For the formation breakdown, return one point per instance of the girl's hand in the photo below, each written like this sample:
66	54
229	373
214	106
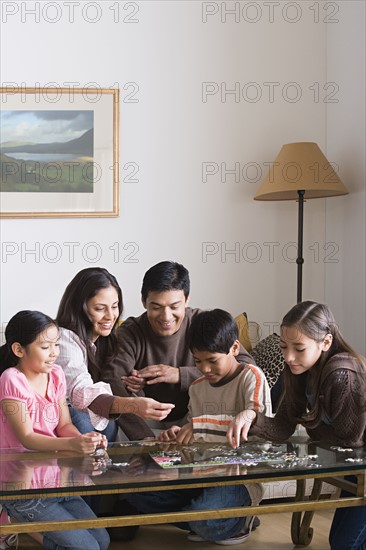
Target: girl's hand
170	434
91	466
87	443
185	435
239	427
102	441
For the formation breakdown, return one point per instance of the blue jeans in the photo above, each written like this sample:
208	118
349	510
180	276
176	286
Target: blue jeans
210	498
59	509
81	420
348	529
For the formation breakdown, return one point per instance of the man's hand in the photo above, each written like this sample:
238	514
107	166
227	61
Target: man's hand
153	374
239	427
134	382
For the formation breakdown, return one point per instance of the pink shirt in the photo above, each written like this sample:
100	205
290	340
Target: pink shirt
43	411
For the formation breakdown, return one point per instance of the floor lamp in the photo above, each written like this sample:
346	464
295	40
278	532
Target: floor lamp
300	171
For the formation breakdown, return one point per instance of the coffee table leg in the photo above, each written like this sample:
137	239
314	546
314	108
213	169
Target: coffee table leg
301	532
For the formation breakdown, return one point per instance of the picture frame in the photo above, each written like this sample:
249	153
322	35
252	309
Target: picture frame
59	152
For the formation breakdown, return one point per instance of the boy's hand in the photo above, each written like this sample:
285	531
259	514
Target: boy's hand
185	435
239	427
170	434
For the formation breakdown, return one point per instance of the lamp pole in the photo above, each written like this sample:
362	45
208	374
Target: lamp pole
275	186
300	259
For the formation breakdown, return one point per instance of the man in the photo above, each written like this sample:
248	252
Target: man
154	358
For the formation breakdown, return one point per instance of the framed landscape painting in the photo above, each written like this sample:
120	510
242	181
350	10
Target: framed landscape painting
59	152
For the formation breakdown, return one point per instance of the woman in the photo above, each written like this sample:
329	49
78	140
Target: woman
88	314
325	388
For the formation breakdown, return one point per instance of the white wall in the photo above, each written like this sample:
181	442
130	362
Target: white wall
346	132
170	132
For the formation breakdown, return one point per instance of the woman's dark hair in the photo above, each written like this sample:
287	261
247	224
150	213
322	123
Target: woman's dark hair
315	321
23	328
214	331
165	276
73	314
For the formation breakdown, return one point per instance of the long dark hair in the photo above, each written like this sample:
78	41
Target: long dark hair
23	328
315	321
73	314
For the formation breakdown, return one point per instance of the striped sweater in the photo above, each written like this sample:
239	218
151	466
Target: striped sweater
212	407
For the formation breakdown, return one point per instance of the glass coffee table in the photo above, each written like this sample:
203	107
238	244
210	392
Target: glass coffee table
151	466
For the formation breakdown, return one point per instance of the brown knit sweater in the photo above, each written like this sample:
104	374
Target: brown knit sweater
342	397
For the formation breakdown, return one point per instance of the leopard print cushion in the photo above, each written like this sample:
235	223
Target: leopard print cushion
267	355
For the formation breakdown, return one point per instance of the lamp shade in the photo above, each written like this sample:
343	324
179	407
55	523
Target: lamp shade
300	166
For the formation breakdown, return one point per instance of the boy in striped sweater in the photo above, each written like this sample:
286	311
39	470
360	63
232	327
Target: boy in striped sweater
216	400
226	388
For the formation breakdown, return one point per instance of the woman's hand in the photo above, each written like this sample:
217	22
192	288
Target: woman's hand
239	427
145	407
149	408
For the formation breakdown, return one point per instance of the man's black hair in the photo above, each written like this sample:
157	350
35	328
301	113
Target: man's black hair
165	276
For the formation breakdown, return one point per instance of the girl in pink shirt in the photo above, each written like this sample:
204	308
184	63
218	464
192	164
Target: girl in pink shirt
34	415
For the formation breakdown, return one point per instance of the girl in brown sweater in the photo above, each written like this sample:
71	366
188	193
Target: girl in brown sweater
325	388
